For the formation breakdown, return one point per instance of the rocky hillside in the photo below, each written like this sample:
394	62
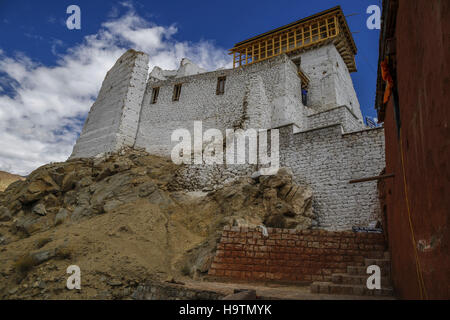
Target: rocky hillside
118	219
7	178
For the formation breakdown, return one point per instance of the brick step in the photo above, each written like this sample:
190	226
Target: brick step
344	278
362	271
375	255
382	263
349	289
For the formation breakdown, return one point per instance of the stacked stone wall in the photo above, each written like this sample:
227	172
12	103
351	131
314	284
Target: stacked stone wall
259	96
330	82
339	115
327	159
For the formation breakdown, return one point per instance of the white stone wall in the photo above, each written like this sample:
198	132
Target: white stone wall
339	115
327	159
262	95
330	82
209	177
113	119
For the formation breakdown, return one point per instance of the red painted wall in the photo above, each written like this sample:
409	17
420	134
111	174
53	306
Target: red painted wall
423	79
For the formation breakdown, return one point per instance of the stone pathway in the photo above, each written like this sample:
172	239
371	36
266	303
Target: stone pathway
272	291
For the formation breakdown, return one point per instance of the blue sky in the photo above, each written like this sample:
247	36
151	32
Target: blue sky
50	75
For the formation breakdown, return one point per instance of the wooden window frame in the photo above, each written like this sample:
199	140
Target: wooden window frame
220	80
155	95
176	92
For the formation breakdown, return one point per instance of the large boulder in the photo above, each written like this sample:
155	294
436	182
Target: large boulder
275	201
37	187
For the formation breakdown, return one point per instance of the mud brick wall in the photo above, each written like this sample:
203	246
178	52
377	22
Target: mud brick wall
291	255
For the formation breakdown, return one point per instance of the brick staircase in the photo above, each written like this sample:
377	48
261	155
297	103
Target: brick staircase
353	282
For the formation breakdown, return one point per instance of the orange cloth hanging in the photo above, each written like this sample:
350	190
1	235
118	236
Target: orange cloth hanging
386	75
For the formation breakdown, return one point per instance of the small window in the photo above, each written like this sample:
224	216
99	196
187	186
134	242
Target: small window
155	94
176	92
220	85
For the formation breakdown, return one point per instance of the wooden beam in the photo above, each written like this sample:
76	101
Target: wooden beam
246	55
273	46
295	38
259	51
384	176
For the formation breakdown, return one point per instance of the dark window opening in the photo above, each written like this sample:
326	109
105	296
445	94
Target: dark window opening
176	92
304	97
155	94
220	85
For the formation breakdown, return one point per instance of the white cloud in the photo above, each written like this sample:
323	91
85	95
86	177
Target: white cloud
40	121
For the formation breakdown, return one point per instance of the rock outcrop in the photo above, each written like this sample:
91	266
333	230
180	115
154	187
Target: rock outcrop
273	201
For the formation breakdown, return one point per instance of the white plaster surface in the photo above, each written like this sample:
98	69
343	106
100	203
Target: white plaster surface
327	159
330	82
113	119
263	95
187	68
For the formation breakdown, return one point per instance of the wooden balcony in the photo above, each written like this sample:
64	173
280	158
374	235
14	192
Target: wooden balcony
326	27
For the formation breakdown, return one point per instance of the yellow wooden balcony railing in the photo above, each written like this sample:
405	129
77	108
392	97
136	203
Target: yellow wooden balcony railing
325	27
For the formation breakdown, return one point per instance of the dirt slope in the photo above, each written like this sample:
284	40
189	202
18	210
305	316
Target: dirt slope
118	220
7	178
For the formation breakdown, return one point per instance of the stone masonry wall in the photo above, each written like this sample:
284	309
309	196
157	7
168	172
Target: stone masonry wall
209	177
291	255
331	84
262	95
339	115
113	119
327	159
